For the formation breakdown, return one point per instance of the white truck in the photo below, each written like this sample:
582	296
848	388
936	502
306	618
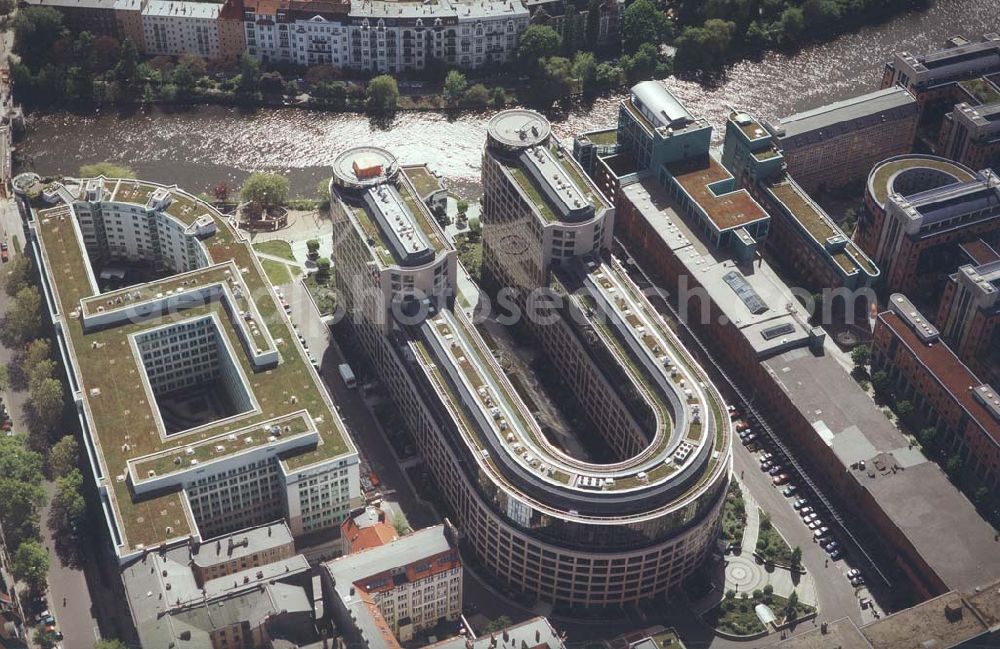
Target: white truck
347	374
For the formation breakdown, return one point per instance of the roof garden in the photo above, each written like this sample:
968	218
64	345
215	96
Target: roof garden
879	182
607	137
424	182
536	196
820	226
981	90
120	416
727	210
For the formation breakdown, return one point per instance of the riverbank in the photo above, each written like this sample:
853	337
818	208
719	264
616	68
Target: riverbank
199	147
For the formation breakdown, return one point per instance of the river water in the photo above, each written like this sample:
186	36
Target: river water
196	148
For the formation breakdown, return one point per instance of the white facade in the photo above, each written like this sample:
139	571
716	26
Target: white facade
177	28
389	36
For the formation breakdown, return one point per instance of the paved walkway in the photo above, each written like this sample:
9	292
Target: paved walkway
752	529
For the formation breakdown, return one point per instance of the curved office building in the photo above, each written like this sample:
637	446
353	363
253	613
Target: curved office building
557	526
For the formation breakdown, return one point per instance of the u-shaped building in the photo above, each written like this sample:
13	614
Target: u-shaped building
560	527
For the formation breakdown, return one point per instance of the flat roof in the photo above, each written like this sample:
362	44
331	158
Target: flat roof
949	371
709	266
979	252
726	211
840	117
241	544
882	177
535	633
927	625
120	415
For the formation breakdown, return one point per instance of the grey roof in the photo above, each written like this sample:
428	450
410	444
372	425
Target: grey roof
241	544
939	521
661	103
849	114
535	633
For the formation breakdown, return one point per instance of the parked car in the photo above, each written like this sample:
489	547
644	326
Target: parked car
831	545
806	511
781	478
733	412
836	554
776	469
809	518
765	465
853	572
790	490
858	581
821	532
741	426
800	503
749	439
767	455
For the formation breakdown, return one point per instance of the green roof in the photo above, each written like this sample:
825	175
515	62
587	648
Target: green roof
122	418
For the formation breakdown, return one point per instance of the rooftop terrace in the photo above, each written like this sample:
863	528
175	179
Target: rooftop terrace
120	416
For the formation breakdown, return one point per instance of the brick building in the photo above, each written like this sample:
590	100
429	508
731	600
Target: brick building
970	134
945	393
969	313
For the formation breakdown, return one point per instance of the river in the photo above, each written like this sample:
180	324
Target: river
196	148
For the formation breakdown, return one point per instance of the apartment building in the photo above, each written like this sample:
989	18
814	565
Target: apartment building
95	16
835	145
803	237
970	135
969	312
383	596
937	75
176	28
262	601
550	525
878	483
918	209
945	393
569	18
368	527
380	36
206	418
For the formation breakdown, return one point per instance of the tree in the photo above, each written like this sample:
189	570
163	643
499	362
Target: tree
69	510
454	86
928	437
608	76
792	26
498	98
322	269
537	42
821	16
22	321
555	80
642	22
641	65
593	26
109	644
312	245
904	408
263	192
36	30
19	274
383	94
272	83
106	169
796	558
7	6
568	38
880	381
46	407
249	79
477	96
861	355
499	624
128	61
64	456
706	47
462	205
475	229
791	609
31	565
769	589
321	73
585	71
953	467
221	191
331	93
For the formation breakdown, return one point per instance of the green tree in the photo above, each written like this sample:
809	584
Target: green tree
332	94
383	94
585	71
322	269
23	319
248	86
109	644
7	6
880	381
31	565
706	47
641	65
929	437
64	456
555	81
475	229
642	22
19	274
36	30
608	76
593	26
462	206
537	42
791	609
953	467
312	245
263	191
106	169
796	560
821	16
477	96
46	408
68	510
792	27
861	355
498	97
499	624
904	408
454	86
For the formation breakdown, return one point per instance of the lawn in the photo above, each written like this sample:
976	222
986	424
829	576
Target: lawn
734	515
770	545
278	273
735	614
276	248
